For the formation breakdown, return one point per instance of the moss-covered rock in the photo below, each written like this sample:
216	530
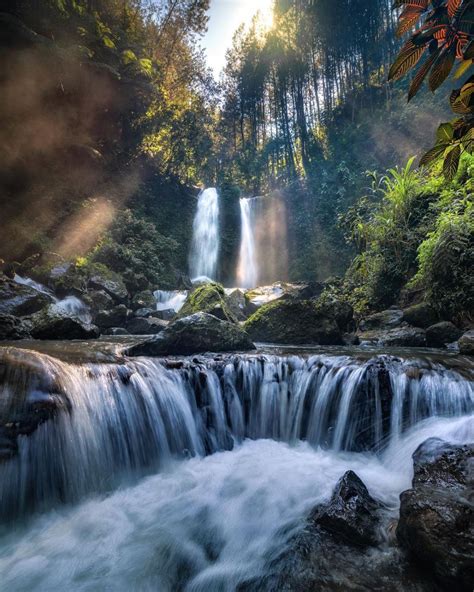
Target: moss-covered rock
420	315
208	298
293	322
198	333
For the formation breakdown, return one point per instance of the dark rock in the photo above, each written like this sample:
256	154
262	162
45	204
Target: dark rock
51	323
398	337
164	315
143	299
13	328
293	322
386	320
350	339
339	310
466	343
197	333
116	317
145	326
442	334
98	300
420	315
238	304
116	331
112	284
21	300
436	516
351	514
144	313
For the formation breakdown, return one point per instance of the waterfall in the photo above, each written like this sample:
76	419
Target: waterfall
70	305
205	242
247	273
170	300
110	421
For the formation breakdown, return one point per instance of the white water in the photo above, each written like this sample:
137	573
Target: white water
247	272
205	242
170	300
204	524
70	305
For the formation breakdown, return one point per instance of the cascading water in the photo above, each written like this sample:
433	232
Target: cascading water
244	446
247	273
170	300
205	242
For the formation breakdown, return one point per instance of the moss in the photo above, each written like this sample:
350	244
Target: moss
293	322
208	298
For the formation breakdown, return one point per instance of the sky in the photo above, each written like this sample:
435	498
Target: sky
225	18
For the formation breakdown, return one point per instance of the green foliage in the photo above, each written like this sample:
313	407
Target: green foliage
208	298
134	245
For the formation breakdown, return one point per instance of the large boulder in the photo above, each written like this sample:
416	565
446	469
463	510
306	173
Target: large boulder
442	334
144	299
98	300
293	322
238	304
115	317
420	315
351	514
111	283
198	333
385	320
398	337
209	298
54	323
19	299
145	326
339	310
436	517
13	328
466	343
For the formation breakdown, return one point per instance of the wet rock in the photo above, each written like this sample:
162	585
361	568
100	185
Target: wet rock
116	317
116	331
200	332
386	320
238	304
20	300
436	517
339	310
13	328
144	313
351	514
52	323
145	326
98	300
143	299
420	315
113	285
442	334
209	298
398	337
293	322
350	339
466	343
165	315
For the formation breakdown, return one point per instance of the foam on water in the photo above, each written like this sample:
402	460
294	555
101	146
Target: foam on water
204	524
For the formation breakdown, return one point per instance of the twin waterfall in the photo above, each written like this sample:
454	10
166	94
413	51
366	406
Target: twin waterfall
262	254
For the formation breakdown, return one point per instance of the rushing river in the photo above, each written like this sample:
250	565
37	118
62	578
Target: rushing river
191	475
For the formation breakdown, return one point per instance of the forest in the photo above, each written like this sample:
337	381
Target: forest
236	306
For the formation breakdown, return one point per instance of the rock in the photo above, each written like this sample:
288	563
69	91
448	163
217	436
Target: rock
210	298
442	334
435	525
293	322
116	331
198	333
112	284
386	320
98	300
145	326
144	313
351	514
466	343
339	310
117	317
420	315
51	323
165	315
13	328
143	299
350	339
238	304
398	337
21	300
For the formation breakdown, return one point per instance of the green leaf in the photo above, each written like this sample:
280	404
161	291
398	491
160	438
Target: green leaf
463	68
432	154
444	133
451	162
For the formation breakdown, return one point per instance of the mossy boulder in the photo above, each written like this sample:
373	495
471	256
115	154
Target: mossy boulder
198	333
209	298
52	323
293	322
442	334
420	315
